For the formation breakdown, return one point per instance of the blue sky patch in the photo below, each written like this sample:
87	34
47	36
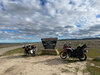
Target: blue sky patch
78	25
8	30
43	2
18	41
98	16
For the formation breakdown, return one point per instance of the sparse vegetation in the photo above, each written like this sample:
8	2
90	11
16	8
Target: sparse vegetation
64	70
19	50
77	69
85	71
38	52
93	52
94	62
93	70
9	45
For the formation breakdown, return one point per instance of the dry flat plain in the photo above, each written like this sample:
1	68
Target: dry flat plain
17	64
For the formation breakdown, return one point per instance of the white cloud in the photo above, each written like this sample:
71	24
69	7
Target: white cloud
68	18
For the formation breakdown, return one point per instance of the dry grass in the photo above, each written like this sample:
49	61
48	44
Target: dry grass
93	70
9	45
19	50
93	52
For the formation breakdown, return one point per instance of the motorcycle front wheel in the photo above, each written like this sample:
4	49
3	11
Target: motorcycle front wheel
32	53
63	55
83	58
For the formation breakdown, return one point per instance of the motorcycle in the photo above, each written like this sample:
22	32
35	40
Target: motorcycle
79	53
28	50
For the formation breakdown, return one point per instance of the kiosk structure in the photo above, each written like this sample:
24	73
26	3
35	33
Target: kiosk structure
49	46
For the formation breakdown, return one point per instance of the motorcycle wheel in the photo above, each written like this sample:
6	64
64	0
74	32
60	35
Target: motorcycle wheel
63	56
33	54
83	58
25	53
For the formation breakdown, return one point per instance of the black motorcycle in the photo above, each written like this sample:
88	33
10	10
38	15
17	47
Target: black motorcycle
79	52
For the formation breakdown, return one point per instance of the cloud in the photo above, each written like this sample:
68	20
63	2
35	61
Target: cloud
49	18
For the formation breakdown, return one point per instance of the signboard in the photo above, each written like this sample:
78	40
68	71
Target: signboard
49	43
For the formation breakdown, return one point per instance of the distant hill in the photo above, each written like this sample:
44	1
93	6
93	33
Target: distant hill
79	39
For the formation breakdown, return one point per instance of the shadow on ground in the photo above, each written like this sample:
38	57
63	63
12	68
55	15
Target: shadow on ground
56	61
18	56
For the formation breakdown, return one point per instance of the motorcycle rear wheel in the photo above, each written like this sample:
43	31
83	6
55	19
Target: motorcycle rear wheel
33	54
83	58
63	56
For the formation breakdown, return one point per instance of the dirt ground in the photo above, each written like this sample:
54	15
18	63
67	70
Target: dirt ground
40	65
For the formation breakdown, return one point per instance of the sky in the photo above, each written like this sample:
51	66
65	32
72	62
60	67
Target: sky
31	20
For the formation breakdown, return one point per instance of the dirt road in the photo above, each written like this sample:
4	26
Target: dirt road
40	65
2	50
